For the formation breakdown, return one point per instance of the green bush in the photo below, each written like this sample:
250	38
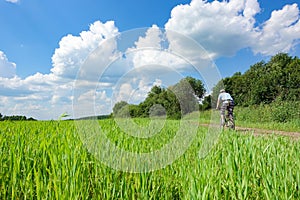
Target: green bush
278	111
256	113
284	111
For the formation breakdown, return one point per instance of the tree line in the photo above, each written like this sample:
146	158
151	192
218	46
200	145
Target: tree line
16	118
263	83
173	102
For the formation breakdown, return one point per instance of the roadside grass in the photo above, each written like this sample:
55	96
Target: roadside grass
283	116
291	126
47	160
280	116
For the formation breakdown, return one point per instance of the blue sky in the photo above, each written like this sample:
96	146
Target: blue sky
42	43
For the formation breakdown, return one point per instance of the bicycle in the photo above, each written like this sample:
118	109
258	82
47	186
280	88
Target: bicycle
229	122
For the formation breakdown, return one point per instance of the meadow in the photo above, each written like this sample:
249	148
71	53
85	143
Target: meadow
48	160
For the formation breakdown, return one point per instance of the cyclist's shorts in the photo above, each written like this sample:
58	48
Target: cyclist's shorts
227	105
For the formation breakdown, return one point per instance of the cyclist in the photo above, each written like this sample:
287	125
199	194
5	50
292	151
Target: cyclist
227	103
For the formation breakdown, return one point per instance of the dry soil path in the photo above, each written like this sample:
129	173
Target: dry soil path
259	132
265	132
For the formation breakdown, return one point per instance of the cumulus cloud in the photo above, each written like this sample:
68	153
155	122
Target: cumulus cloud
135	90
160	51
152	39
53	91
280	33
23	95
38	83
169	56
13	1
73	50
214	24
91	102
85	61
223	28
146	49
7	68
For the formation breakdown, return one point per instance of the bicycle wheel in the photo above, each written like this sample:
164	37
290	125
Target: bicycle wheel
230	124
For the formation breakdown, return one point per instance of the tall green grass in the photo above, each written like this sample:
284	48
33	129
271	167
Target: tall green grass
47	160
279	115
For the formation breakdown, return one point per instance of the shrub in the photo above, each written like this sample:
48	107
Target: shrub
284	111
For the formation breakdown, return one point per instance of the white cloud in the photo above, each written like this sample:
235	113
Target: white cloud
251	9
160	48
13	1
80	62
51	93
125	92
223	28
214	24
134	90
169	57
280	33
90	103
38	83
152	39
7	68
24	96
73	50
144	87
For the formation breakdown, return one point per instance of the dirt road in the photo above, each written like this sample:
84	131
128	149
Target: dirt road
259	132
264	132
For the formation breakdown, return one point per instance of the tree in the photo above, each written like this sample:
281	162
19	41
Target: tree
179	99
155	90
123	112
264	82
188	93
206	103
118	106
197	86
291	91
185	96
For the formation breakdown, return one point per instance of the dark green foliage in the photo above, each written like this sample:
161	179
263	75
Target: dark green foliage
119	106
16	118
186	92
278	79
175	101
196	86
100	117
284	111
277	111
206	103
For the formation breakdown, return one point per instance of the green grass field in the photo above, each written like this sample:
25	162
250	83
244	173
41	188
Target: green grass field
47	160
